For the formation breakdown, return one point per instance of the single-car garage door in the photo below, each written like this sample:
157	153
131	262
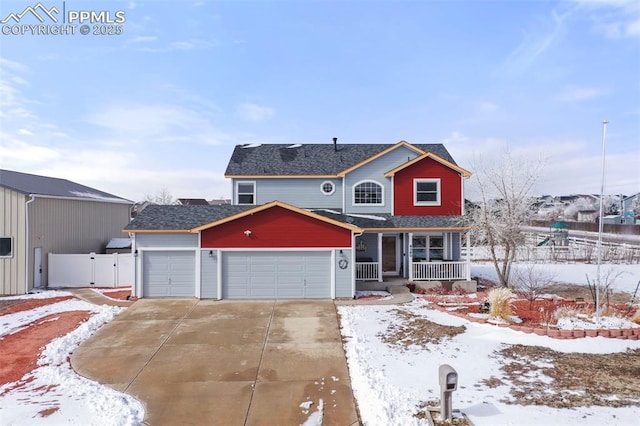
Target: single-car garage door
276	275
169	273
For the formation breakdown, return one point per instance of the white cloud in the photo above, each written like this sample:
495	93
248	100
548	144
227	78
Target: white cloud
577	94
254	112
570	167
25	132
614	19
537	40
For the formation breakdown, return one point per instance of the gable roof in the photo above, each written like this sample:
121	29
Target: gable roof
36	185
281	205
313	160
189	218
433	156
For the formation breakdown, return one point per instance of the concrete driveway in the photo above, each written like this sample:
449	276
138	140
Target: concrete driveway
224	362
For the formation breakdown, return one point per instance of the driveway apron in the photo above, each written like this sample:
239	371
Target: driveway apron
225	362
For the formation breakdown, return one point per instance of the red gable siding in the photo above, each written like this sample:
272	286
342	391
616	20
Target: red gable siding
450	188
276	227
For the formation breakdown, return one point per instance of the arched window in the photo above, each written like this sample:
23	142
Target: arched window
368	193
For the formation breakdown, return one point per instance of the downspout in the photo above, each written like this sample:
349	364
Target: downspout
26	243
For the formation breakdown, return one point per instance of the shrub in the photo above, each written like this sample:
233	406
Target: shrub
500	299
458	290
439	290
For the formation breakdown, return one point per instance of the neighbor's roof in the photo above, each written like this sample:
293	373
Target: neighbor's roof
312	159
193	201
54	187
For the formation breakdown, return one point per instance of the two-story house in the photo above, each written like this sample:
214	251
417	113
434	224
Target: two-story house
310	221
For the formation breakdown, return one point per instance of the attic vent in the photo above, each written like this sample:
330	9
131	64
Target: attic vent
251	145
295	145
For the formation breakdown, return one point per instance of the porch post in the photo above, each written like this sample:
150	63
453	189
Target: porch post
380	257
468	256
410	255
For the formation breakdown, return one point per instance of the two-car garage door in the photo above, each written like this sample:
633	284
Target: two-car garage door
276	275
245	274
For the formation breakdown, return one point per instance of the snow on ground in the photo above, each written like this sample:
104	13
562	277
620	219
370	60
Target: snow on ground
573	273
390	383
54	384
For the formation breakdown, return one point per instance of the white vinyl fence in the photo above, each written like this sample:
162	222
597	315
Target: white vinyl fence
87	270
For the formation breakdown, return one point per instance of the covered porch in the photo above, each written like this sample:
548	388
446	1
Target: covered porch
415	256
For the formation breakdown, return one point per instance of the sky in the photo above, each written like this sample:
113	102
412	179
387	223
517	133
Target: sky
160	104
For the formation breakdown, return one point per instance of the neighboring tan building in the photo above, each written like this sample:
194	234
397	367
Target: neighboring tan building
42	215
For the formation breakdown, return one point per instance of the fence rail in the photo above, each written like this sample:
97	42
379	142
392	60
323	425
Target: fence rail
367	271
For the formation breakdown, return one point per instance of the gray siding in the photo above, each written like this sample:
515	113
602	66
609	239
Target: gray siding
455	246
370	240
375	171
72	226
166	240
304	193
12	224
208	275
344	277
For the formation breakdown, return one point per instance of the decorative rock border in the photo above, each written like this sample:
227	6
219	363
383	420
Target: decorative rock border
613	333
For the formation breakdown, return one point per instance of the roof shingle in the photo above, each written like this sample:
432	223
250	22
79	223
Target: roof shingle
309	159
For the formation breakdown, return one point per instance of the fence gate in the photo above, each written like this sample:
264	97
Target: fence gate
91	270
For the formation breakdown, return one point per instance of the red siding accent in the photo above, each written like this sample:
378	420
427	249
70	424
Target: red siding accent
276	227
450	188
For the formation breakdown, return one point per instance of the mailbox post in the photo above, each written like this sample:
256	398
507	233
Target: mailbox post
448	383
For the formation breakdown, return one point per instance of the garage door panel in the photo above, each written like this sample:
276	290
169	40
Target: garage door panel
169	273
286	275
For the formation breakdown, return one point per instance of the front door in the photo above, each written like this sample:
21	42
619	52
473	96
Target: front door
389	255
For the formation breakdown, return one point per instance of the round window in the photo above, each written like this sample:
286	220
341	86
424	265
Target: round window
327	188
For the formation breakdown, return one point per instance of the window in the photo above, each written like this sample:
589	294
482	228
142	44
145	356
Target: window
433	245
426	192
6	247
369	193
245	193
327	188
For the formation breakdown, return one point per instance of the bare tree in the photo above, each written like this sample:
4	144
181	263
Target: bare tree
505	205
162	197
531	281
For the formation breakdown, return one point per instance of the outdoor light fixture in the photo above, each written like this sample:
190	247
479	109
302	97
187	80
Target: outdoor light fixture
247	232
210	253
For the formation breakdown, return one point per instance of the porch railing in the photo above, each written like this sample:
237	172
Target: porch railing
433	271
367	271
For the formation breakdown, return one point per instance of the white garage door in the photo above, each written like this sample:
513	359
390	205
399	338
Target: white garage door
169	273
276	275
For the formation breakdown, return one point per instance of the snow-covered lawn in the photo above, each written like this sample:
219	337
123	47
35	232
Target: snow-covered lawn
626	275
53	393
392	382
